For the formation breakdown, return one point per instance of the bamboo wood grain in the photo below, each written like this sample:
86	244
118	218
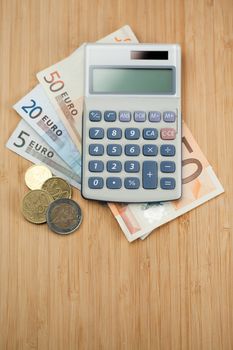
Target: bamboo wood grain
93	290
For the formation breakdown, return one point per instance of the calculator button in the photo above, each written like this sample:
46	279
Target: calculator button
167	167
150	150
169	117
132	134
110	116
96	150
95	182
150	134
124	116
131	183
139	116
96	166
154	117
114	133
149	175
167	150
132	150
114	183
96	133
168	134
114	166
132	166
167	183
114	150
95	116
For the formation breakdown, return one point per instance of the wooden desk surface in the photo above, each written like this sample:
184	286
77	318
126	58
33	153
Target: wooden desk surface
94	290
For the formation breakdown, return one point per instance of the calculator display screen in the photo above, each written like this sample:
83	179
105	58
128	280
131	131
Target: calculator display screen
116	80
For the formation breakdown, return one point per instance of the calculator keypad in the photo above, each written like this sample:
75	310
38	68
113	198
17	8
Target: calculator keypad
147	162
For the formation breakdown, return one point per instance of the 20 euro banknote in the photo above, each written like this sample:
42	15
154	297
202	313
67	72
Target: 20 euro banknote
199	185
27	143
64	84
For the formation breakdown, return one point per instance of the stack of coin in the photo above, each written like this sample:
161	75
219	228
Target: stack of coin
50	201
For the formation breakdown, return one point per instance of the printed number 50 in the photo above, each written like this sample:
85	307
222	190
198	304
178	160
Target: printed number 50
54	85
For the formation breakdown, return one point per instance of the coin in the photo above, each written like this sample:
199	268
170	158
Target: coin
57	187
36	175
64	216
35	204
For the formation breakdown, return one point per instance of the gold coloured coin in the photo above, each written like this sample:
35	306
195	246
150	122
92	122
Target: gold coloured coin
57	187
36	175
35	204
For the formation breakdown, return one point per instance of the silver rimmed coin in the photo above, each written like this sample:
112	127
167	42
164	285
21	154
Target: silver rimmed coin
64	216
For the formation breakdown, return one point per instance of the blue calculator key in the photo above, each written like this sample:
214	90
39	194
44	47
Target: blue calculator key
95	116
167	150
114	150
139	116
132	133
114	133
96	150
132	183
132	166
95	182
124	116
114	183
154	116
114	166
132	150
150	134
167	167
96	133
169	117
110	116
96	166
150	150
167	183
150	174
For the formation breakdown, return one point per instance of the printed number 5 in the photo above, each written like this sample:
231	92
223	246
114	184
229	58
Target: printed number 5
52	75
54	86
22	140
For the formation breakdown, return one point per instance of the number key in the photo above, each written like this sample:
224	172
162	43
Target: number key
132	134
114	166
114	133
95	182
96	166
114	150
132	166
132	150
96	133
96	150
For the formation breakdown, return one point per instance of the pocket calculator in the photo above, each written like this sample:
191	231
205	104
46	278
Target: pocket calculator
132	123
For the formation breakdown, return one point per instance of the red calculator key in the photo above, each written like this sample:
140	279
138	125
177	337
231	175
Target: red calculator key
168	134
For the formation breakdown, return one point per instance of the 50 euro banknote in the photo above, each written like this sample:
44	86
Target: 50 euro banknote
199	184
28	144
63	83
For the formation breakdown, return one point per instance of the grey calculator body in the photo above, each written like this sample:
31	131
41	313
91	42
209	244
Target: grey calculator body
132	123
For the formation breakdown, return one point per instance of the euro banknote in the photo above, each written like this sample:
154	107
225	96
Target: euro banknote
28	144
64	81
36	109
199	184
